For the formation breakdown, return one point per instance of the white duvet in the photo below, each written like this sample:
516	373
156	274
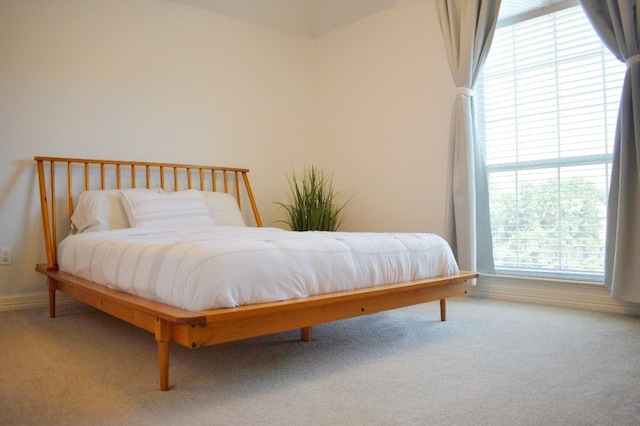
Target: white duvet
230	266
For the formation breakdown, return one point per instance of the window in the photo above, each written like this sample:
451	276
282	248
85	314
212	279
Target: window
546	109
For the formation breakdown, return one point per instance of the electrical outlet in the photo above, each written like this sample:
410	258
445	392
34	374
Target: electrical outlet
5	255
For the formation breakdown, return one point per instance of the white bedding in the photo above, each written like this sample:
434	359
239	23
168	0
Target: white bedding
228	266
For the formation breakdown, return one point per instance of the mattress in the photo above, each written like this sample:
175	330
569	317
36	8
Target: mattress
229	266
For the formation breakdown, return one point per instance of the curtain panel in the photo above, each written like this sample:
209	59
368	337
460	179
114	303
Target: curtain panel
467	28
616	22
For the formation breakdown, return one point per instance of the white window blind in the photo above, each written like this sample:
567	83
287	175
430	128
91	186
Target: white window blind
546	110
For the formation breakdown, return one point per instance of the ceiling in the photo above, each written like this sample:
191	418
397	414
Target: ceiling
306	18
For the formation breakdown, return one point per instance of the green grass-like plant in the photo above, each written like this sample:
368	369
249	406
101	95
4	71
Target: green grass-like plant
313	204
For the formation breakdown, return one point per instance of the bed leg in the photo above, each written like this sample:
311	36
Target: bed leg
52	297
306	334
163	336
443	309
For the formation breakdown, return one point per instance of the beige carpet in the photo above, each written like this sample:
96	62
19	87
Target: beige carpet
491	363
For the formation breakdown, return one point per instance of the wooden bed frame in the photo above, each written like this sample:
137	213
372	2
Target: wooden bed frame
61	180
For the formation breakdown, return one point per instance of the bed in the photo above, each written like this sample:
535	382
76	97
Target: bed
160	246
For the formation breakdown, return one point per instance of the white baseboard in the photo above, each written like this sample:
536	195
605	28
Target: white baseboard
568	294
37	300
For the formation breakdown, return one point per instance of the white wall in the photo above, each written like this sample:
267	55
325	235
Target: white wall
142	80
384	95
157	80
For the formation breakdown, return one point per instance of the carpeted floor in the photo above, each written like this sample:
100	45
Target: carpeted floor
491	363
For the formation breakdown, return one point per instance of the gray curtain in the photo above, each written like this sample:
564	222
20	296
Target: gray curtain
467	28
616	22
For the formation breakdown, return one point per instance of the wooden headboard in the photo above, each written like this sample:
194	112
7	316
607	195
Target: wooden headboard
62	180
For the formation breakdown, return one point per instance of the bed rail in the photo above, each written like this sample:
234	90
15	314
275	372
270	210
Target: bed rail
61	180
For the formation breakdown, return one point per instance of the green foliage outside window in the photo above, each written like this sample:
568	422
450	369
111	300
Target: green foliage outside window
550	225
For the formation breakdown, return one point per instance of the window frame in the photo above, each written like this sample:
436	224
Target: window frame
605	159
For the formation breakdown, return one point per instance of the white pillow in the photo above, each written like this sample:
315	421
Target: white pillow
180	209
100	210
224	208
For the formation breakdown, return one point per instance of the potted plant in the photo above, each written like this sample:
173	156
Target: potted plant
313	204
